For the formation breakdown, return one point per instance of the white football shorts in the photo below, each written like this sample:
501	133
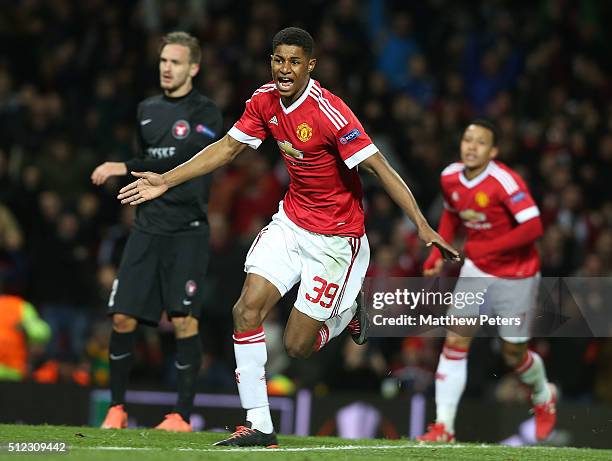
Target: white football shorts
507	298
330	268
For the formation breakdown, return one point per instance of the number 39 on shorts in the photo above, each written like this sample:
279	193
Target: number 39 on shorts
324	290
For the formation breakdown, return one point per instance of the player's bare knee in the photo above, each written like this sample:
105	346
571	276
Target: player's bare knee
184	326
298	351
512	359
514	354
247	314
460	342
124	323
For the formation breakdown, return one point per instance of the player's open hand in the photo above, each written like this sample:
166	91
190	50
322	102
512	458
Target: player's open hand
147	187
431	237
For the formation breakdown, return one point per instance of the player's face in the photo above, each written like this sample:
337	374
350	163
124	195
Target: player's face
291	68
175	70
477	148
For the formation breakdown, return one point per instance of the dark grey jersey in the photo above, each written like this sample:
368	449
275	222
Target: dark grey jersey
171	131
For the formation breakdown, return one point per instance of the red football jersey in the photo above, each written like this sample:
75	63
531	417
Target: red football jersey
490	205
321	142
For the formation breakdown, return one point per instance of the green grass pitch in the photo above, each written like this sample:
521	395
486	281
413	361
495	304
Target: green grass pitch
86	443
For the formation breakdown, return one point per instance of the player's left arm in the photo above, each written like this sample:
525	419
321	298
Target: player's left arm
401	194
529	225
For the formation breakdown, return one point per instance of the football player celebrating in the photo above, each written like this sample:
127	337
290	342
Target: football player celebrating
317	237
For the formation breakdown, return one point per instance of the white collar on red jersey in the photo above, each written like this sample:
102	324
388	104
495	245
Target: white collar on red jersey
300	100
469	183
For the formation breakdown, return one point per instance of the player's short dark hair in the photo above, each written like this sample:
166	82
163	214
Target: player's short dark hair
488	125
296	37
185	39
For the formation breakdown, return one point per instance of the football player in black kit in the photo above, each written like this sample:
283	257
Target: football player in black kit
165	258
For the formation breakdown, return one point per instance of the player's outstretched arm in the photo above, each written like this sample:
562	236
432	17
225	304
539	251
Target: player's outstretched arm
400	193
152	185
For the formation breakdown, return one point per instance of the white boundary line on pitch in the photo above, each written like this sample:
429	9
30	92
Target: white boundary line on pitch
321	448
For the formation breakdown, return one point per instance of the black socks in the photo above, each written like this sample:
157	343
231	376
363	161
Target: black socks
188	362
121	357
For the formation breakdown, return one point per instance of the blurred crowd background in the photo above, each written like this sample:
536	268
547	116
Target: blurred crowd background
72	73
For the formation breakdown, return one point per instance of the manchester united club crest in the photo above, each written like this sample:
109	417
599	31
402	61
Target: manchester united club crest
304	132
482	199
181	129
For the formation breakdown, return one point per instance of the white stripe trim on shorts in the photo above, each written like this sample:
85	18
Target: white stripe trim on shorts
355	247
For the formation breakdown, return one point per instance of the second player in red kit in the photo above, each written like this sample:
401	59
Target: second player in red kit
492	203
490	206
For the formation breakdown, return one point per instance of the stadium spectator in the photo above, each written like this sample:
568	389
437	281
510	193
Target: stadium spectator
62	285
13	264
22	333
